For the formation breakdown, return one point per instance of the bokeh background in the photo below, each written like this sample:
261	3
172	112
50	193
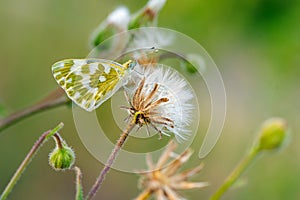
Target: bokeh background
255	43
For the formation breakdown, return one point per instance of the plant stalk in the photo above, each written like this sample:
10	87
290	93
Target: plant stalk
55	99
79	192
235	174
28	159
110	160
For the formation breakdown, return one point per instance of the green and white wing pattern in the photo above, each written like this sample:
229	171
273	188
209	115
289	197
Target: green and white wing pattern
88	82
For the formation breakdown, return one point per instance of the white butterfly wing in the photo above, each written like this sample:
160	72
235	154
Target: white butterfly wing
88	82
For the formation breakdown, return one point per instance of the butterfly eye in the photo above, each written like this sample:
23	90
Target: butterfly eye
132	64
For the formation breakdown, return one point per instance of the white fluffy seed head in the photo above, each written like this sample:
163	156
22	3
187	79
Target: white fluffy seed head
172	85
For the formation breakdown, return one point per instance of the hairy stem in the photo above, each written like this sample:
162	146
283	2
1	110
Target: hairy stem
79	192
28	159
110	160
235	174
55	99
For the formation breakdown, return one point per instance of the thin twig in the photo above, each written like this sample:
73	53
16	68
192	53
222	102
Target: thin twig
110	160
55	99
27	160
236	173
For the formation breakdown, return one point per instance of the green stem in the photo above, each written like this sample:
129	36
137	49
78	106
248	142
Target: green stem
79	192
240	168
53	100
28	159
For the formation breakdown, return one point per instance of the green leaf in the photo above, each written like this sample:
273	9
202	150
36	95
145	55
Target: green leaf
99	36
188	67
140	20
3	111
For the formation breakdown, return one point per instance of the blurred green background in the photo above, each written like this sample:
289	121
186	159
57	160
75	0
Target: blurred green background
255	43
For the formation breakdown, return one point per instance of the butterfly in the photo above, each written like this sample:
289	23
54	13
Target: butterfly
90	82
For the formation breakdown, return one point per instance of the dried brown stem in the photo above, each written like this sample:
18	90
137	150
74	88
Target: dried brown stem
110	160
58	140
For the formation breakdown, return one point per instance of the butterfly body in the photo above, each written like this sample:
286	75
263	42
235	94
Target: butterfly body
90	82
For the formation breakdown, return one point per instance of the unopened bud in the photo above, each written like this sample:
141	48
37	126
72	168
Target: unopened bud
116	22
63	156
156	5
273	133
147	16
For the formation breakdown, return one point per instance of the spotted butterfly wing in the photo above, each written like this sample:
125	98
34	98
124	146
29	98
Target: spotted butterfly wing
89	82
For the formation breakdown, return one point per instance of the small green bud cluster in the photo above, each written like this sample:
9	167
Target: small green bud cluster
63	156
121	20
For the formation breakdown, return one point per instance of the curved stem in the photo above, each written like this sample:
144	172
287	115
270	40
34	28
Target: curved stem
79	192
58	141
27	160
110	160
55	99
235	174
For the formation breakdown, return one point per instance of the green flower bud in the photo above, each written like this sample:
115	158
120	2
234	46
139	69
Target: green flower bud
273	133
116	22
147	16
62	157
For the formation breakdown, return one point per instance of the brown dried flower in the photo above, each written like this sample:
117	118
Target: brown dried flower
163	182
144	108
163	100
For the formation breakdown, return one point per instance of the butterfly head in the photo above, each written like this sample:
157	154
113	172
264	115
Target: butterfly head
130	64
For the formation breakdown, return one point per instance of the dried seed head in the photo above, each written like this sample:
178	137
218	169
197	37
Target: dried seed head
162	99
165	182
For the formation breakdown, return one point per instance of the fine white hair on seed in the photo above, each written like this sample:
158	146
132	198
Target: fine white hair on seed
180	106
